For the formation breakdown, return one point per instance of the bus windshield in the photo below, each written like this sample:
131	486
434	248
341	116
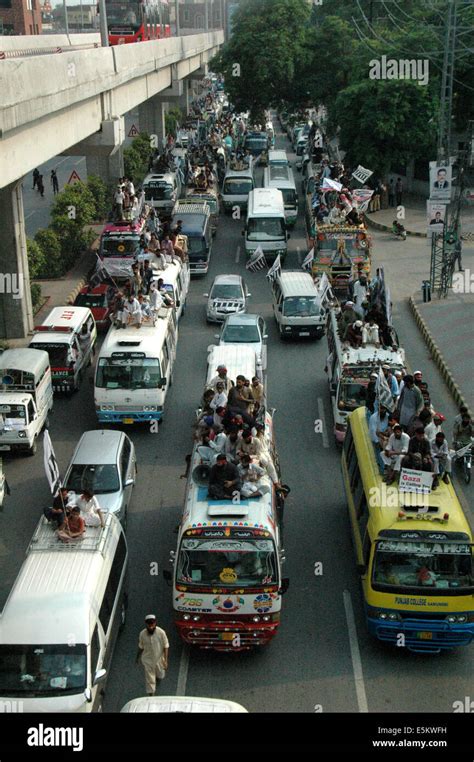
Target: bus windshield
128	373
123	13
265	229
237	186
352	393
301	306
445	566
120	247
158	191
31	671
227	562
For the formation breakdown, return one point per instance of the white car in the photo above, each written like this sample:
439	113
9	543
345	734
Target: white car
228	295
246	329
104	461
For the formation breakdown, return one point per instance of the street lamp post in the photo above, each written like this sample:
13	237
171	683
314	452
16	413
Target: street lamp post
104	34
176	5
206	15
66	22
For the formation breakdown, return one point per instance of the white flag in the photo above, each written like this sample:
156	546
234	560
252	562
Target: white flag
362	174
275	269
256	261
329	184
384	393
51	464
308	260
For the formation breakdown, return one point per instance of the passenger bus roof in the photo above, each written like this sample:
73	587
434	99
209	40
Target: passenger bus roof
24	359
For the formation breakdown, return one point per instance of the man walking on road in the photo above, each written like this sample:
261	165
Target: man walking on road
54	181
153	650
40	185
399	191
391	192
458	255
35	177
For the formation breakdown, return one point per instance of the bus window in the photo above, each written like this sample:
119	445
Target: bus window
366	546
166	358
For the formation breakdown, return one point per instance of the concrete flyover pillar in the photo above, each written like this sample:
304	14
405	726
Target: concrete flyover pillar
109	168
151	117
16	312
103	150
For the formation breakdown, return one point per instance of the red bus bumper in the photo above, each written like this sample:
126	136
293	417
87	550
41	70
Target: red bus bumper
227	636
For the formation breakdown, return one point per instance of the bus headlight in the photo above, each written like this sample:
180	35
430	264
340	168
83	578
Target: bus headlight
149	408
107	407
196	618
393	616
382	615
186	617
22	434
266	618
255	619
456	618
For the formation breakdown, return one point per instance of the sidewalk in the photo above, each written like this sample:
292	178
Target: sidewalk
415	217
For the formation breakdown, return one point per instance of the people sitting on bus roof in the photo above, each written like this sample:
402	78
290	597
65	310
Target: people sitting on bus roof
220	396
57	513
221	376
419	446
132	312
147	312
395	449
230	446
378	432
370	333
410	402
167	299
347	317
73	528
224	480
239	397
353	334
360	290
252	477
441	459
250	445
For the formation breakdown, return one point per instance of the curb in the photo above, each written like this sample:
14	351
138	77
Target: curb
388	229
70	299
437	356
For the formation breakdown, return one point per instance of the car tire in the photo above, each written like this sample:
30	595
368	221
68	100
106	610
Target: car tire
33	449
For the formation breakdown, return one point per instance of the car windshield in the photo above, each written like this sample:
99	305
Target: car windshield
98	479
352	393
265	229
226	291
91	301
12	414
254	144
301	306
158	192
128	372
246	333
237	186
400	565
31	671
196	248
229	562
58	354
120	247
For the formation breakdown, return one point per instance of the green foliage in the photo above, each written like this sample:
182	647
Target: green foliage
100	194
36	259
72	210
174	117
36	300
384	122
136	157
52	263
260	61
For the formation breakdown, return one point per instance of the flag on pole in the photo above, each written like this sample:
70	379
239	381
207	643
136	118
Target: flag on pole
275	269
51	464
329	184
256	261
100	275
384	393
308	260
362	174
361	198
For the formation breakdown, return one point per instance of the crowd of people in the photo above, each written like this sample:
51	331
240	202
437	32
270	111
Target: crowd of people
70	514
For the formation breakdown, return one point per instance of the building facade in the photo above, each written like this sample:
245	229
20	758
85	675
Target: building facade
20	17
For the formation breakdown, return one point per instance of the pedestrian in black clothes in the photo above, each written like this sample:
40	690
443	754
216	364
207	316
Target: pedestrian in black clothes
40	185
36	174
224	480
391	193
399	191
54	181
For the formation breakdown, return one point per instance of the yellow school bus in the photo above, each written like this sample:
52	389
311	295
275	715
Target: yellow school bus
414	553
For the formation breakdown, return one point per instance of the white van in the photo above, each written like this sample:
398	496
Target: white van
58	335
60	623
180	704
282	178
266	224
26	397
297	306
134	371
176	280
236	188
277	158
162	190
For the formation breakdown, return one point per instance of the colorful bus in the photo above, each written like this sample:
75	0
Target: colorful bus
414	553
137	20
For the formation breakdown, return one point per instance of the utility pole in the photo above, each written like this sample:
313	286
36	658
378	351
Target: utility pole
66	20
206	15
104	33
176	5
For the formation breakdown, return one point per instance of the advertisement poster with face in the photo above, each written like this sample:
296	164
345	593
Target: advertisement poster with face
440	181
435	217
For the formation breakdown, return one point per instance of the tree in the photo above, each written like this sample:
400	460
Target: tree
72	211
136	158
36	259
384	122
260	61
173	118
100	194
52	263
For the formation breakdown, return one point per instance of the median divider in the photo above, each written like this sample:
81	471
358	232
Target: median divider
437	356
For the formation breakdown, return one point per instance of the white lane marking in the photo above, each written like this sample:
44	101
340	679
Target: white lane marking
79	161
323	420
30	214
355	654
237	255
183	672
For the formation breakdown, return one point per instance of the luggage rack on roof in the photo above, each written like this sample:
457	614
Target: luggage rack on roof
45	538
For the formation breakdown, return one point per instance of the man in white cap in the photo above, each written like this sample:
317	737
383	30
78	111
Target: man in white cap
353	334
153	650
347	317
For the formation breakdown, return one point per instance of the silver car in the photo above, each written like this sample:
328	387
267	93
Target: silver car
228	296
104	461
246	329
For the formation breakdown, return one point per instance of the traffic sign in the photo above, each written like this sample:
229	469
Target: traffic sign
74	178
134	131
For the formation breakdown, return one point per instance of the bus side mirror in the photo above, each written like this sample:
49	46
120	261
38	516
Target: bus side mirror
162	382
99	676
168	577
285	583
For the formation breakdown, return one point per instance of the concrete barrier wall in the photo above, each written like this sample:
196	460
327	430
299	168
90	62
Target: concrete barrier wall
38	41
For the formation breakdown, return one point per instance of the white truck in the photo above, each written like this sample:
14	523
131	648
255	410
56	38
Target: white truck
26	397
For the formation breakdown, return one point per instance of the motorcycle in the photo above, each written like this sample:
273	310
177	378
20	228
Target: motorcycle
464	455
399	232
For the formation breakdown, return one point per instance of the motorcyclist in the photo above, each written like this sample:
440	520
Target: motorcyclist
463	431
399	230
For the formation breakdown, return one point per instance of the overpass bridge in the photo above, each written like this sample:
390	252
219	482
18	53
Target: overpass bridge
74	102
